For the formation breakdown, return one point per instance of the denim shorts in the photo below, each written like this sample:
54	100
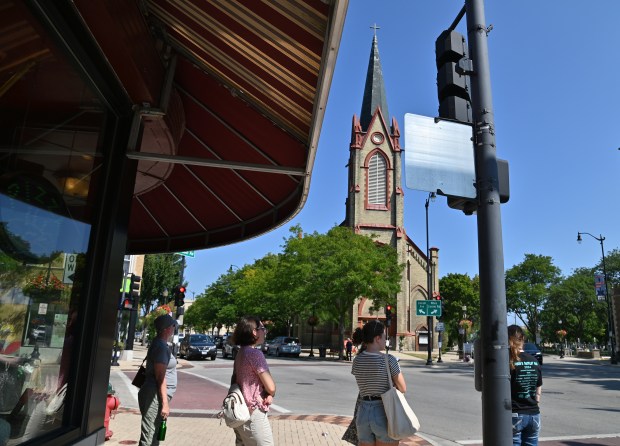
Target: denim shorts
371	423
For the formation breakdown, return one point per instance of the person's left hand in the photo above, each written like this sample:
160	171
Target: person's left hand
268	400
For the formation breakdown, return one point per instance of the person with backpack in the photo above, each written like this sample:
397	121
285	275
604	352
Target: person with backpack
251	373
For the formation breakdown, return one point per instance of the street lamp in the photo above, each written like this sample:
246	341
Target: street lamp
610	321
463	331
429	284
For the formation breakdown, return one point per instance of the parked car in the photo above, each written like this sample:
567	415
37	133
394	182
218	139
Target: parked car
532	349
220	340
229	349
197	346
264	347
284	345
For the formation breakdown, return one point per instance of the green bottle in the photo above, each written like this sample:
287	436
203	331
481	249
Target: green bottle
162	431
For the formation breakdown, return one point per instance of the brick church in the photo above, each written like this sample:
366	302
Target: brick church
375	205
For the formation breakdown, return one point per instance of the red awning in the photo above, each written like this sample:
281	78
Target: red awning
233	95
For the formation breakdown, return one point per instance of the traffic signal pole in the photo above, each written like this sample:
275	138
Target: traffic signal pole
496	400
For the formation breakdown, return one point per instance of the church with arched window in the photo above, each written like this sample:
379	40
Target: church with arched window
375	205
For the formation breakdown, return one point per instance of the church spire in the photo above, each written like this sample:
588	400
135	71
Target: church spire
374	91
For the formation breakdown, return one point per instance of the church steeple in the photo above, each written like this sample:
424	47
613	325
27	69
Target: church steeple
374	91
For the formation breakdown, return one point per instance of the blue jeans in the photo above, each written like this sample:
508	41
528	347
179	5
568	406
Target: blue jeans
525	429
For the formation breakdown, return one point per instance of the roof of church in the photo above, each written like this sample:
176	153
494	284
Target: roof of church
374	91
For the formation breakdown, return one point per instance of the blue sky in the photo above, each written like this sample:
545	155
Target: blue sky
555	77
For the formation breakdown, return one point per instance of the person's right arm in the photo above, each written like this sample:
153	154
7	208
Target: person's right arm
269	386
160	379
399	382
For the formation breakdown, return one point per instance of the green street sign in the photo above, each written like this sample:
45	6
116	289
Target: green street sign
428	308
186	253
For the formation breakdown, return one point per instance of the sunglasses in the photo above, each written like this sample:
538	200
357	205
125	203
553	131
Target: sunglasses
261	328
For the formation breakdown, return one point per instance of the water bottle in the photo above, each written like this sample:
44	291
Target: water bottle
162	431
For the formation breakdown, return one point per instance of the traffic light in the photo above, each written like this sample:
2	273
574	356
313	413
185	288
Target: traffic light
127	303
437	296
453	67
388	315
134	292
179	296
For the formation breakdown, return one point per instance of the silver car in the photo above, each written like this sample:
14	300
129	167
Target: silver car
284	345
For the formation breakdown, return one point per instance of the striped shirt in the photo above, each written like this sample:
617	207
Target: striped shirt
369	371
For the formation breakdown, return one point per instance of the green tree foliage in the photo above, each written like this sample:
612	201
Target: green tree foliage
331	271
573	301
457	291
528	287
161	272
612	266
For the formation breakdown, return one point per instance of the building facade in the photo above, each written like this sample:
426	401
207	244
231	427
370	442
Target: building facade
375	206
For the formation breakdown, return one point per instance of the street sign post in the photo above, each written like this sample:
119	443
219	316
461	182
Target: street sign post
428	308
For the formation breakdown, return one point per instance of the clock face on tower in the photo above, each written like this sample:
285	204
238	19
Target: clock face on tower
377	138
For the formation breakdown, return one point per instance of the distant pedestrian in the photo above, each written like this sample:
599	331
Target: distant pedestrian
251	373
525	390
349	349
160	383
369	369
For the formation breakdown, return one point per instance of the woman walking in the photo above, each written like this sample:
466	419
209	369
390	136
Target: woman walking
525	390
369	369
252	375
160	382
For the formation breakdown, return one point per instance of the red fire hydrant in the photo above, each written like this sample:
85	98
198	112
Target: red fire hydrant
112	403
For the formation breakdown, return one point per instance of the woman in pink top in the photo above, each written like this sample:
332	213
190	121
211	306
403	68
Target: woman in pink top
252	374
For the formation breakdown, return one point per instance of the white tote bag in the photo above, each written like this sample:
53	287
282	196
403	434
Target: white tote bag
402	422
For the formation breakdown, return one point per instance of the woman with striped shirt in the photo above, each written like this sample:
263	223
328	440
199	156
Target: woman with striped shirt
371	376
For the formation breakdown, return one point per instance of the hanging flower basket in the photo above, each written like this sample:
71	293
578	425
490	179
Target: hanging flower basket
561	333
465	323
160	311
41	288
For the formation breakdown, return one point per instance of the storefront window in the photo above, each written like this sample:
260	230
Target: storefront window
51	126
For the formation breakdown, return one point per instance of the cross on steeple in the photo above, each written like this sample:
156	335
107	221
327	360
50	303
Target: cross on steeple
375	28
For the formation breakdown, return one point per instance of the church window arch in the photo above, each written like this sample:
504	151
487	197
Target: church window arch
377	181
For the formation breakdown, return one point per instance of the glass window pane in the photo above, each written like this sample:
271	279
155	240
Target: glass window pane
51	126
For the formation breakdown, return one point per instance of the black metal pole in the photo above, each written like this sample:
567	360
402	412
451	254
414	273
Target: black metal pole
115	352
496	399
429	289
611	329
610	321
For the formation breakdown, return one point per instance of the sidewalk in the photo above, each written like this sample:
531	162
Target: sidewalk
187	428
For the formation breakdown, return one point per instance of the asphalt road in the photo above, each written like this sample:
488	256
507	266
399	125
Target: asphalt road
581	400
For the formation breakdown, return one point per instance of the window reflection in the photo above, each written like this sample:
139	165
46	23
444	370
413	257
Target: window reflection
51	125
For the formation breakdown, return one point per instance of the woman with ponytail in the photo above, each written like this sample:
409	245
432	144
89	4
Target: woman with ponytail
525	390
369	369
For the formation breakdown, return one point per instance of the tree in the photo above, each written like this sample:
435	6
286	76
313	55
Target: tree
527	288
161	272
457	291
573	301
335	269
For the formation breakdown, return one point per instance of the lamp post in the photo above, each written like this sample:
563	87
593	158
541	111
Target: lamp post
463	331
429	283
561	346
311	355
610	321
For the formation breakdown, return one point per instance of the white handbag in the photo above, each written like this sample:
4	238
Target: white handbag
402	422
